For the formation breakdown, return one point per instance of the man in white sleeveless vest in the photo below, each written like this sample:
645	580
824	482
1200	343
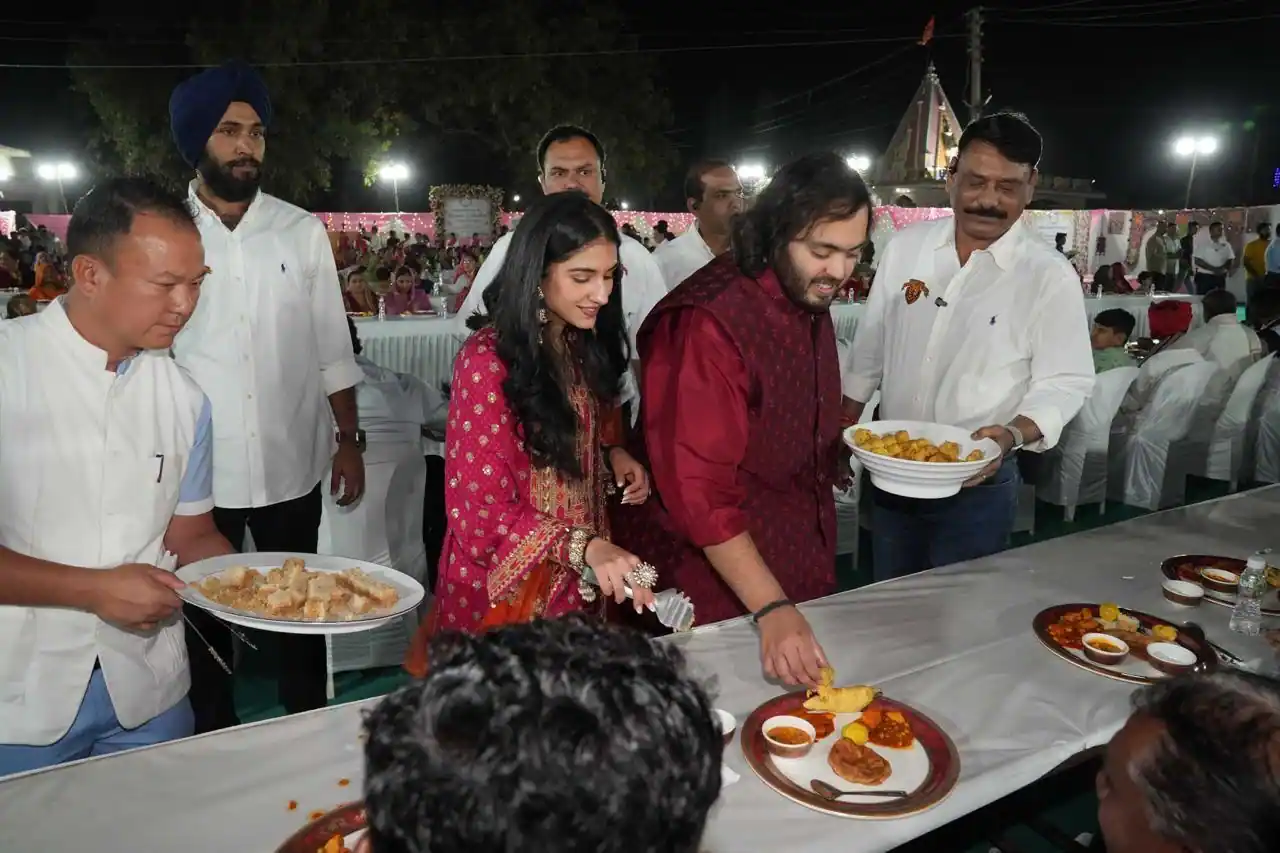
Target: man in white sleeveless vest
106	464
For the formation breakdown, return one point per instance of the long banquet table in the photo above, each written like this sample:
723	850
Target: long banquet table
955	642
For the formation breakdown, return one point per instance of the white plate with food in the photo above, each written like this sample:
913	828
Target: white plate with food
292	593
916	459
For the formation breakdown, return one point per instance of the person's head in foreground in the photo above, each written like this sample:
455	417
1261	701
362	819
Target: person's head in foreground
552	736
992	179
1196	769
1219	302
809	225
556	308
1111	328
137	262
571	158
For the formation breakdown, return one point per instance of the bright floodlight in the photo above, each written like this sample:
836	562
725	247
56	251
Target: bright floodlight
626	205
859	162
1188	145
56	171
394	172
751	171
516	198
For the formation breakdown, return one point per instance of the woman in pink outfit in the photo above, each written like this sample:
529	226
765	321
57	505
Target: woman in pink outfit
405	296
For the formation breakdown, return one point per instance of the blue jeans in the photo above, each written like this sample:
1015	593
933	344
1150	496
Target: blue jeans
910	535
96	731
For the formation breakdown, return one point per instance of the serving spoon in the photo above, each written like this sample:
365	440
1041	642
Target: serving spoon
829	792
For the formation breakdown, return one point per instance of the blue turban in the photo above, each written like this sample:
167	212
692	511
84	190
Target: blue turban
199	103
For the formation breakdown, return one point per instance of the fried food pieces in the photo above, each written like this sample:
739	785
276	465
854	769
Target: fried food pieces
857	763
900	445
293	592
839	700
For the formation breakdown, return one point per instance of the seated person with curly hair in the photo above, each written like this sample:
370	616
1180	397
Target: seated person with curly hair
552	736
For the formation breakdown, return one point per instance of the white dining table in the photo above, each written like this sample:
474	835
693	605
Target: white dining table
423	346
955	643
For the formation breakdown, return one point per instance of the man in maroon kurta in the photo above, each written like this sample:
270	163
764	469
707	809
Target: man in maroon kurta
740	414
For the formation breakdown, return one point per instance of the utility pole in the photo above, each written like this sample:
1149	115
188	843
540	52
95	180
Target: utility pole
976	102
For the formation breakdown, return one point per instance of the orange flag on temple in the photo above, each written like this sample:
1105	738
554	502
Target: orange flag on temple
927	35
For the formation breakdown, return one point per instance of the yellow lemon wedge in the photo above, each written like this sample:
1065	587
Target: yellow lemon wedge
1109	612
856	732
1164	633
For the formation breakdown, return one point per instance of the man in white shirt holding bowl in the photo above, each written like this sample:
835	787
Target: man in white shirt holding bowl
974	322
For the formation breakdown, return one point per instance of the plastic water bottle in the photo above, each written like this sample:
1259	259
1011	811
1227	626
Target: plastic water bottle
382	307
1246	618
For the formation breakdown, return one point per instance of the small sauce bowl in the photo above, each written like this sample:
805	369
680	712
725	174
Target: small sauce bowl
728	725
1115	650
1220	581
781	749
1171	658
1183	593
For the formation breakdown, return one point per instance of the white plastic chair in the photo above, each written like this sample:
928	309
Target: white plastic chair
1141	471
1223	457
1266	424
1076	470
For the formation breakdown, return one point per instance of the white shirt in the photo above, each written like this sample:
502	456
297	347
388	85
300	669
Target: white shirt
642	283
395	406
1005	335
91	471
268	343
1214	252
682	257
1226	343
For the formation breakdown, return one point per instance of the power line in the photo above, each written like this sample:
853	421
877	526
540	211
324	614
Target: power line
1133	10
845	76
1050	22
484	57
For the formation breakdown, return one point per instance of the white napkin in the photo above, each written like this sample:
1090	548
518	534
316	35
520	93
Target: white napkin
727	776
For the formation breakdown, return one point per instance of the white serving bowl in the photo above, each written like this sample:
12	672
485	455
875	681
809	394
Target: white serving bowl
913	479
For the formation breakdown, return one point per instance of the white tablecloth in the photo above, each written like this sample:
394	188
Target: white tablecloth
956	643
422	346
845	316
1138	307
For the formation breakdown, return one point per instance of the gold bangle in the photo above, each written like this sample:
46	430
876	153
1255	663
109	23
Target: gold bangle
579	537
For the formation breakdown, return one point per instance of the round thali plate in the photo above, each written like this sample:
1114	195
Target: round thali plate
928	770
1186	567
1134	669
347	821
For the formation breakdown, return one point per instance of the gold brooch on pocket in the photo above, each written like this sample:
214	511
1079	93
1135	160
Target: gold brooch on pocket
914	289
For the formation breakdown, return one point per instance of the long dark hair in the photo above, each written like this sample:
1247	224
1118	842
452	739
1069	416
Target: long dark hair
816	188
555	227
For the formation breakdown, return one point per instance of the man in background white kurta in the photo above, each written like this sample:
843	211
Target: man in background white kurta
572	158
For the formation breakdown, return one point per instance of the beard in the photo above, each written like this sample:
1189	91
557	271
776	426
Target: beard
796	286
223	182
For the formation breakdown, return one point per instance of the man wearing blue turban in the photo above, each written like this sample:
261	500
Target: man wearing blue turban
268	343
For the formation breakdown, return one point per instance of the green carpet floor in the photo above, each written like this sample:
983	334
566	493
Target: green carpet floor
1065	804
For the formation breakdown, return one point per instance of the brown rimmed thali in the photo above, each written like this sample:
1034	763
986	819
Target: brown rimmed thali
1130	671
936	781
345	820
1186	567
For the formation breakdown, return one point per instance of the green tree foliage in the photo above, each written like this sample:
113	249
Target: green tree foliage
422	69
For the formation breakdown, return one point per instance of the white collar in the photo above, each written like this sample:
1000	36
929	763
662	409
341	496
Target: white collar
54	318
1004	251
1224	320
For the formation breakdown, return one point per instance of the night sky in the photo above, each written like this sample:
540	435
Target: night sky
1109	85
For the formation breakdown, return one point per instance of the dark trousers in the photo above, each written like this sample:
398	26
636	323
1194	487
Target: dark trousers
1206	283
292	526
434	521
910	535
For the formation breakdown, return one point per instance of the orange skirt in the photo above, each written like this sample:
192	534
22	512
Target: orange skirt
525	606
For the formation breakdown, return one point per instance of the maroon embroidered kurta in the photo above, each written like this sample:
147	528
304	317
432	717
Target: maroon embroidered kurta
740	426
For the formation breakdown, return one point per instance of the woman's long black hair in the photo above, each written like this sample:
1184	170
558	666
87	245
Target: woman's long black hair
555	227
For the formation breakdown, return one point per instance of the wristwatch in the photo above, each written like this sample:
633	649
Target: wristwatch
348	437
1018	440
